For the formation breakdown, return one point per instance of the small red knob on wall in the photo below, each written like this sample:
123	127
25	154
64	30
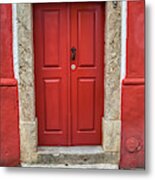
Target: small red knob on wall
132	144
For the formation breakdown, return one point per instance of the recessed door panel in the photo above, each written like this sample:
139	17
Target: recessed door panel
52	101
51	25
69	55
86	104
86	37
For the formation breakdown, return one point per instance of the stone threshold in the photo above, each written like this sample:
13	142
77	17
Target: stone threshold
70	150
77	166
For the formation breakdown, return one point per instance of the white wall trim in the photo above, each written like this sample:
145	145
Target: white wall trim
123	40
15	42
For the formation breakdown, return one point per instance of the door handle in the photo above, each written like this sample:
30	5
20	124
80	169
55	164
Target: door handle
73	53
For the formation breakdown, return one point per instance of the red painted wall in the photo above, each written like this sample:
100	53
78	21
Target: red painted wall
132	140
9	125
132	143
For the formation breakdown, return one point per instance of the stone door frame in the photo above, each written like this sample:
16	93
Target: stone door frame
24	72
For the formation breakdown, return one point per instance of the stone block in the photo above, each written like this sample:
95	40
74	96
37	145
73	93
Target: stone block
112	135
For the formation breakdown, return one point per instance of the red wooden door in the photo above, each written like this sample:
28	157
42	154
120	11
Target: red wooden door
69	90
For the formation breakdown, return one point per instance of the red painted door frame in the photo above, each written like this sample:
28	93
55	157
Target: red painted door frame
9	121
64	88
132	135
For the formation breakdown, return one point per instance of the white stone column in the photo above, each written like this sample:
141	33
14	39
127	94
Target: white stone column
23	37
112	105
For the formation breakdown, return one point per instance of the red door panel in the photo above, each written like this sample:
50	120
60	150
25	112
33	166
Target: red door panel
51	69
85	32
52	108
69	103
87	36
85	104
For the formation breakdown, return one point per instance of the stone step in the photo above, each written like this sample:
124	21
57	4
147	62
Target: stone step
78	155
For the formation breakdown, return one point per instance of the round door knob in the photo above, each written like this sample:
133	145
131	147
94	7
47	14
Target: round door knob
73	66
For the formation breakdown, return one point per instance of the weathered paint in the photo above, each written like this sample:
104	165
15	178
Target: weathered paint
132	137
9	131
